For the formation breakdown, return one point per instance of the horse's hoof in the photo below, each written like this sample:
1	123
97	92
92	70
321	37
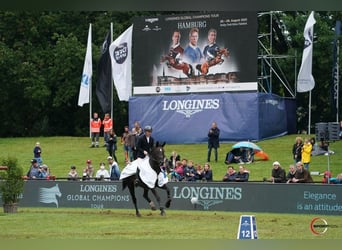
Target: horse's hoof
153	207
168	203
138	215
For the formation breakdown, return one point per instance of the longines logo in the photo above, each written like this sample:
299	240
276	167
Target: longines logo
190	107
207	196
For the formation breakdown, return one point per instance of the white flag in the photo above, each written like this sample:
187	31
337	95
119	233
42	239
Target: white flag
305	81
87	74
121	57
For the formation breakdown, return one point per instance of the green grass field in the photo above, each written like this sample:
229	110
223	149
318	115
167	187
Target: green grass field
59	153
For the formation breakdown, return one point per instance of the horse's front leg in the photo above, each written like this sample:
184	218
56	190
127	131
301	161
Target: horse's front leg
145	195
168	201
162	210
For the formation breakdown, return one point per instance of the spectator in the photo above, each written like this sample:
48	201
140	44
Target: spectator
213	140
297	149
132	146
278	174
125	143
337	180
306	153
37	151
302	174
72	175
44	172
33	172
102	173
198	172
291	174
112	144
174	158
107	127
189	171
230	174
95	126
177	173
114	170
207	172
242	175
88	171
326	176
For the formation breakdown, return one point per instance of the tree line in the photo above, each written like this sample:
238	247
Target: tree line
42	56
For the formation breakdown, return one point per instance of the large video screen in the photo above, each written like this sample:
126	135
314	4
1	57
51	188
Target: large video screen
195	52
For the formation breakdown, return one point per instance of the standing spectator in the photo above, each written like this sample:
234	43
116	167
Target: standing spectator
107	126
189	171
297	149
145	143
111	144
95	126
33	172
302	174
278	174
37	151
72	175
291	174
242	175
213	140
131	145
230	175
88	171
174	158
102	173
306	153
125	143
114	170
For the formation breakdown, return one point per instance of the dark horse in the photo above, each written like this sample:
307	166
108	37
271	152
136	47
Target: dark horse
157	158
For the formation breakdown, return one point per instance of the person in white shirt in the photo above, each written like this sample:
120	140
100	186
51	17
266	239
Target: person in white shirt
102	173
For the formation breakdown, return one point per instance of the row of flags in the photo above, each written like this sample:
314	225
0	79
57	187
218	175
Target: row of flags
114	65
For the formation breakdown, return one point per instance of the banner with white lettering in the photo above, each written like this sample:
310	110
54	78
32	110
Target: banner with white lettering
179	119
194	49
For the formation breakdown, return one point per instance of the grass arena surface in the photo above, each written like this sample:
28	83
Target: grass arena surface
59	153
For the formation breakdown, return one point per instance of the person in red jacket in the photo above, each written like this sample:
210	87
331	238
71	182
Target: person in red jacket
95	126
107	127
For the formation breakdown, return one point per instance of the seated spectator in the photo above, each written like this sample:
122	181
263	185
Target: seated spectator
102	173
230	175
33	172
240	155
278	174
291	174
72	175
198	172
326	176
207	173
177	173
44	172
88	171
242	175
302	174
337	180
189	171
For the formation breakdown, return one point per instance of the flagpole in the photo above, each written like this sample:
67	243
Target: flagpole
90	99
309	125
111	77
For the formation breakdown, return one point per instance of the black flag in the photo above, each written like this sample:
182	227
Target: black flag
104	85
